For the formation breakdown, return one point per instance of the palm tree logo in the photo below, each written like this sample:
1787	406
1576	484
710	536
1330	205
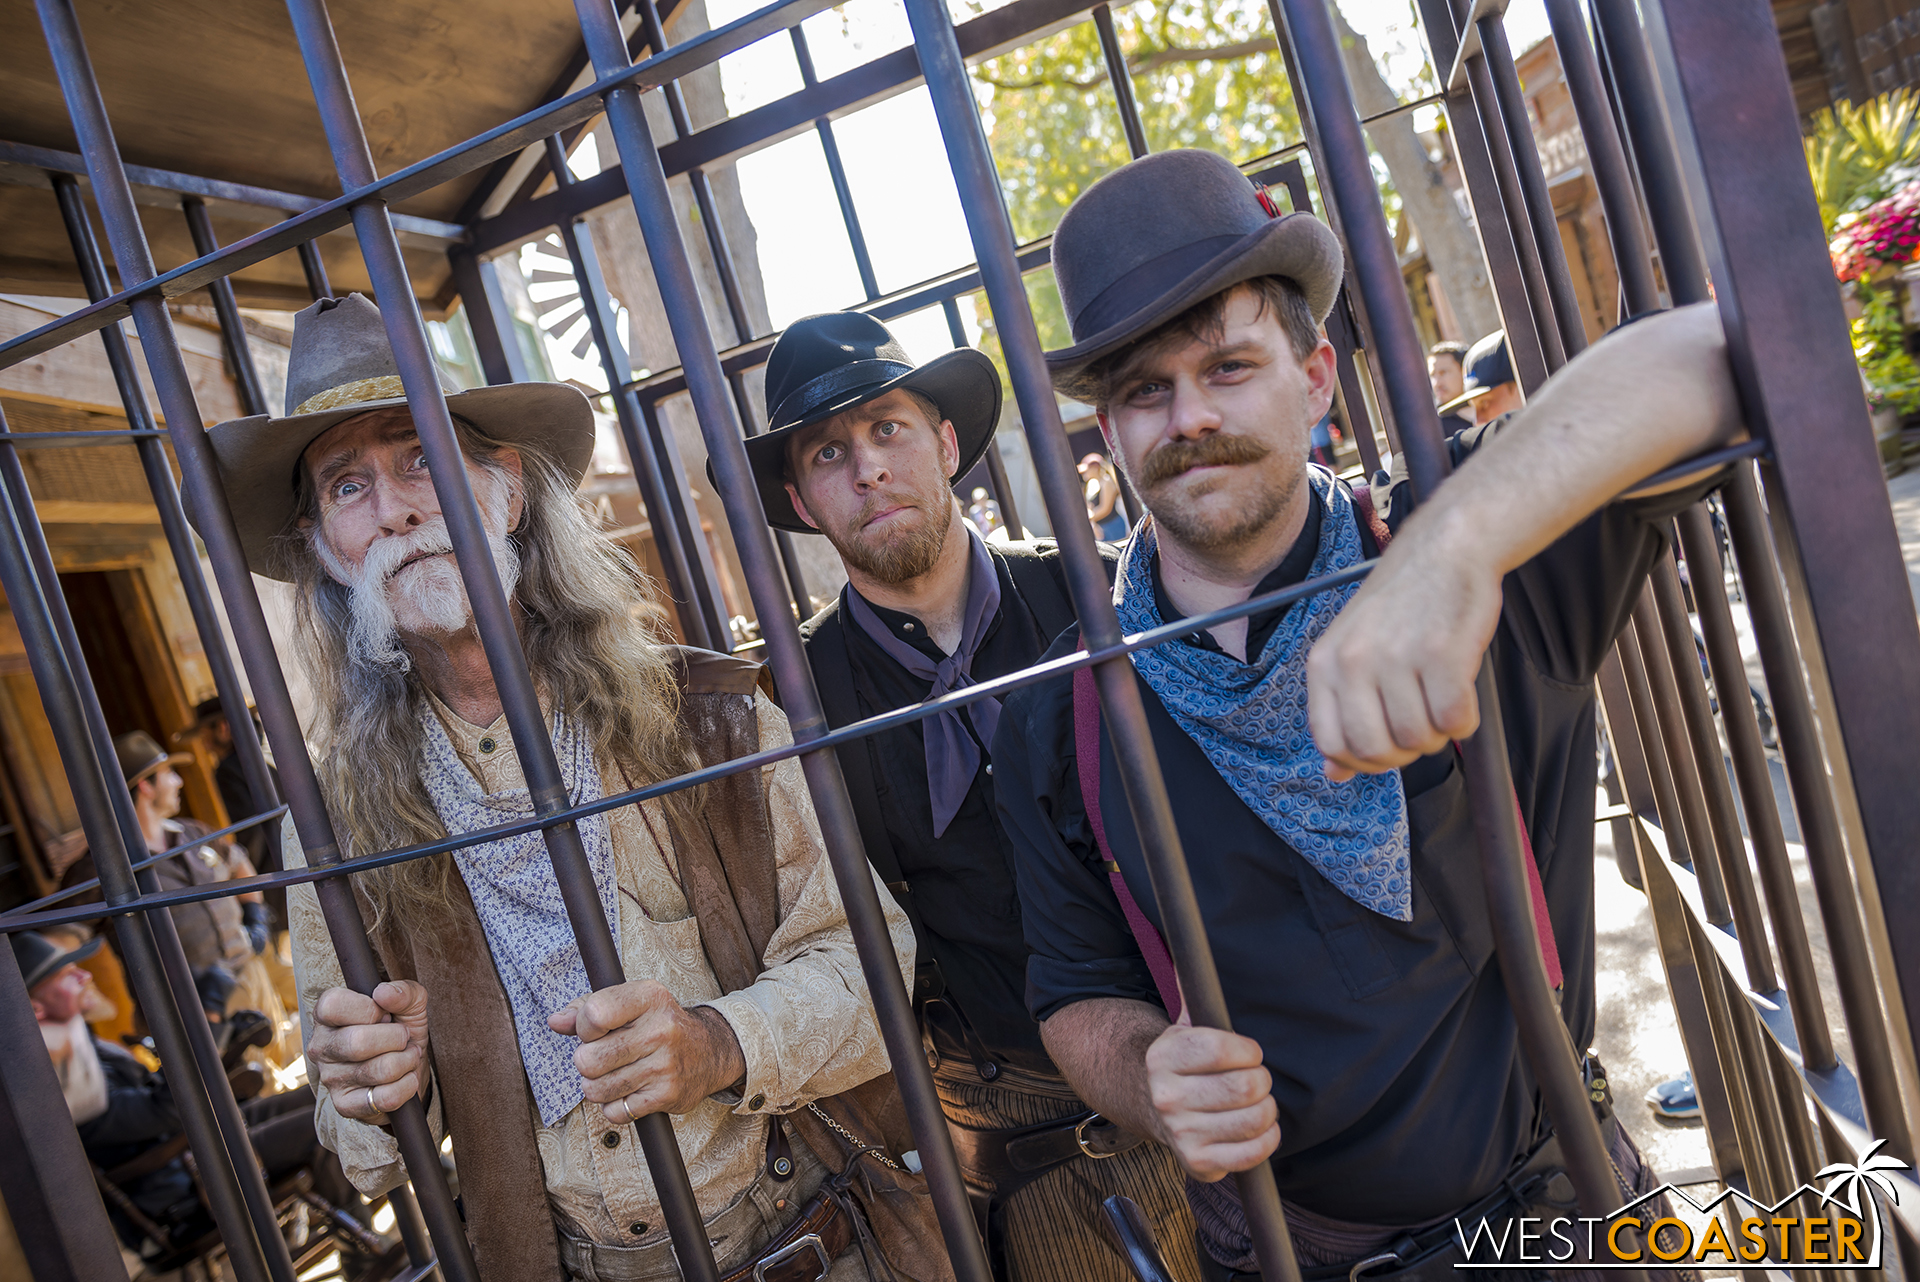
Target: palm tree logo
1849	1180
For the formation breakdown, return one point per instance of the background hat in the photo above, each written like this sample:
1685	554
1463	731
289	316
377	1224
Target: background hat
834	361
40	957
1167	231
1487	366
140	755
341	365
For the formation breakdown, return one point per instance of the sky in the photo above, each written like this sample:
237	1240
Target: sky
896	164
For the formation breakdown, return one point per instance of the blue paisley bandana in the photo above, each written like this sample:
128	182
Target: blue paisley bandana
518	900
1251	721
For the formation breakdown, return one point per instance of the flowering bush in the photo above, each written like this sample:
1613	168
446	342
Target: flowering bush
1893	380
1880	236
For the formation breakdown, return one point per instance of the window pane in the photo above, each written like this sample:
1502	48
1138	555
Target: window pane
805	260
909	210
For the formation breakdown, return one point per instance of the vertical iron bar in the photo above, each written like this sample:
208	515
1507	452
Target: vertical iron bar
493	339
315	269
1533	185
617	365
195	455
1497	237
166	495
782	539
205	1074
707	384
1122	77
146	969
493	617
837	171
47	1181
996	462
1711	768
685	515
413	1229
233	330
1666	798
1665	694
1774	247
980	197
1756	790
1612	175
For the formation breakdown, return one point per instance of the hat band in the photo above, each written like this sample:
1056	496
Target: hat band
1146	284
797	405
384	388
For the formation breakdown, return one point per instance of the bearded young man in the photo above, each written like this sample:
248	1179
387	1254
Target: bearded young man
745	1015
865	448
1306	750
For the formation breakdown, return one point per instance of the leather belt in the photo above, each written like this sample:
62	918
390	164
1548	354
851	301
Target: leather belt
805	1252
1004	1161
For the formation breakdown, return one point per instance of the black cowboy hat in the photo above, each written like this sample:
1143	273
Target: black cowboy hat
340	366
40	958
1167	231
831	362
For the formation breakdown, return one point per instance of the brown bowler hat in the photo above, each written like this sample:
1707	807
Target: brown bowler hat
342	366
1167	231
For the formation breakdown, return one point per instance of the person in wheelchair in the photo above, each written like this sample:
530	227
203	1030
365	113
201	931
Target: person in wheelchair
128	1122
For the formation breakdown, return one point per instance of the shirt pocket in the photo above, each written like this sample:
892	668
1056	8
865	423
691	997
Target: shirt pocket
671	954
1362	943
1446	866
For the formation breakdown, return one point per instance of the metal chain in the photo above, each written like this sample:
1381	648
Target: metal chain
860	1149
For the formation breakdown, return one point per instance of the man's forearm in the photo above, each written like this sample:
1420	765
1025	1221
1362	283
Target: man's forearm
1642	400
1101	1047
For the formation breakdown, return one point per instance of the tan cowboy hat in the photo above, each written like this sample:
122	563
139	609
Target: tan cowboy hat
342	366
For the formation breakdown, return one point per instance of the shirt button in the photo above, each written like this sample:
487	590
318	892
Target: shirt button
906	627
756	1101
989	767
611	1139
488	745
638	1228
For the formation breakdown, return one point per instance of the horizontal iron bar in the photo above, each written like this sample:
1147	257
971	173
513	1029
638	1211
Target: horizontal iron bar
1063	666
404	184
43	159
265	816
29	439
1754	448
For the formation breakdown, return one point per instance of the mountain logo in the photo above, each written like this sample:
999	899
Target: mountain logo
1810	1229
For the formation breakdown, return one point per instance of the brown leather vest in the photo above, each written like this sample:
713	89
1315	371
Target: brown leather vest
727	871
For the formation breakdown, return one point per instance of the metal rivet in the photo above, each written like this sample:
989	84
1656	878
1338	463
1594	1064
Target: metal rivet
488	745
611	1139
780	1204
638	1228
756	1101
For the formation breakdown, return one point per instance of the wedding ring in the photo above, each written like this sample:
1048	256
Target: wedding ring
371	1110
626	1114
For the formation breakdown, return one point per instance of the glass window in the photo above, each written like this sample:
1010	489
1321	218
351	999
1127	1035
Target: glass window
800	243
857	32
903	189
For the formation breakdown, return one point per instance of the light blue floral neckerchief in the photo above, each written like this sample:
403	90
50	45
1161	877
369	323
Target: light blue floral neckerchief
1251	721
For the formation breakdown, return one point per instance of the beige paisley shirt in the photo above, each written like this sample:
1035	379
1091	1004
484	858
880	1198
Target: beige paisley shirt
806	1027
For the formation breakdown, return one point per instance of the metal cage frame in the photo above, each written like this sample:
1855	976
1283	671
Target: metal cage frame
1690	126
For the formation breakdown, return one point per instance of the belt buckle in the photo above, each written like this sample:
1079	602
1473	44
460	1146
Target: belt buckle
790	1250
1080	1138
1389	1257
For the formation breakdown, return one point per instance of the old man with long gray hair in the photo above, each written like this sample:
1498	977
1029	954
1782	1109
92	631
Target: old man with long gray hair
745	1016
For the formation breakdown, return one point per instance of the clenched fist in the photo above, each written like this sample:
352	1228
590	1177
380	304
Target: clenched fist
642	1052
371	1051
1214	1099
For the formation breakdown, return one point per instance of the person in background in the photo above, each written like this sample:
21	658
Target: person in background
215	728
1489	390
1102	487
1320	442
1446	370
984	512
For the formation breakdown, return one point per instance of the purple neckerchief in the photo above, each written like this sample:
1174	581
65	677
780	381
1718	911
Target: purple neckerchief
953	758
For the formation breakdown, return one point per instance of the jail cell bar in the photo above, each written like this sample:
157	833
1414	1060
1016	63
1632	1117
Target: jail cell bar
1000	270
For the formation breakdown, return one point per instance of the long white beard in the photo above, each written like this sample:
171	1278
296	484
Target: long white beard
426	597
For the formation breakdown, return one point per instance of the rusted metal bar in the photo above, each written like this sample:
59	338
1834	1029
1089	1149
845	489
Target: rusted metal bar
653	205
1646	721
233	331
493	617
93	796
1125	715
615	361
1711	769
1756	789
1664	693
1121	77
1472	151
1533	185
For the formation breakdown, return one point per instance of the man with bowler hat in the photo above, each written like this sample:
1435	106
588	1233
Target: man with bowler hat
864	447
1307	750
